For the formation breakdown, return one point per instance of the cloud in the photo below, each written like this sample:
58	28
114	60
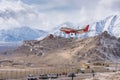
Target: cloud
19	15
82	11
22	14
46	14
106	8
111	4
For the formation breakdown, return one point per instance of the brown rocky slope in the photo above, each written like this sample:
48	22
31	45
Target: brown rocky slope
67	51
101	47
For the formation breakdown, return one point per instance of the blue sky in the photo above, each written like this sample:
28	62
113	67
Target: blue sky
47	14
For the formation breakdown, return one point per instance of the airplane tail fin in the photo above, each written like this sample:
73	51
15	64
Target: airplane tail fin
86	28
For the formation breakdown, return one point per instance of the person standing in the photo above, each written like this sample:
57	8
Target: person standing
93	74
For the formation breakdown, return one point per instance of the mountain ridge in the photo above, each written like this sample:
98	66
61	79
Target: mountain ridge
111	24
56	50
103	47
20	34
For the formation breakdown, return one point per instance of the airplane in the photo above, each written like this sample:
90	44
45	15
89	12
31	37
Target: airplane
76	31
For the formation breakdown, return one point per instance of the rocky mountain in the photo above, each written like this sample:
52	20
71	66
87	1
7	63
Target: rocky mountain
20	34
59	50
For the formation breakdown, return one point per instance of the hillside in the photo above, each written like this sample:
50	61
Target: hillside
67	51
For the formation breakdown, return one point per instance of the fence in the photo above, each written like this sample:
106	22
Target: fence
23	73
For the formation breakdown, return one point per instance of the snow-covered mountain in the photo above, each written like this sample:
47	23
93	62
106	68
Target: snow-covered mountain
110	24
20	34
14	18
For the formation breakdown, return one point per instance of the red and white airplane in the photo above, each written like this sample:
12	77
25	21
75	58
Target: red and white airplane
75	31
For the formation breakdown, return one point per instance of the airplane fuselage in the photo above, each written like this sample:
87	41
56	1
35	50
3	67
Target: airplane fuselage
76	31
68	30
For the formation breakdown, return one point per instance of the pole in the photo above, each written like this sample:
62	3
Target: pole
116	63
72	77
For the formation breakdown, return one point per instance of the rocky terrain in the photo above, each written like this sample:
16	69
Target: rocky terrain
54	50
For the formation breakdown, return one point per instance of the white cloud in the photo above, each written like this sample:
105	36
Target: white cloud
15	13
28	15
107	3
105	8
19	15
